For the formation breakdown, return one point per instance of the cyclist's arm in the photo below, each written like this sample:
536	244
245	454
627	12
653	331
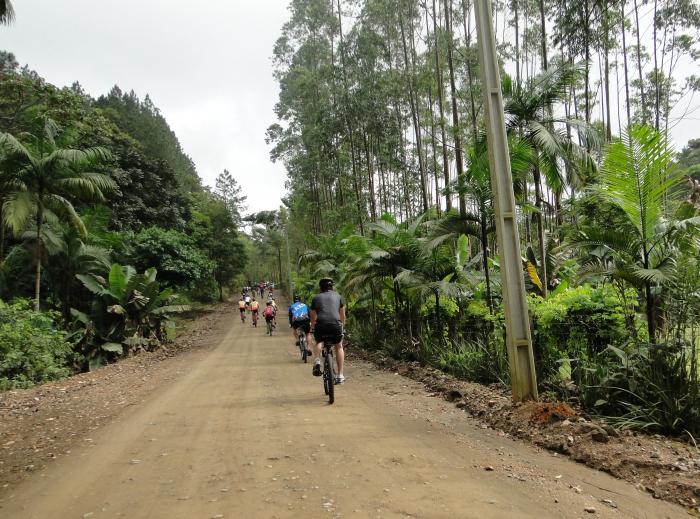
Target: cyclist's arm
290	316
342	314
314	316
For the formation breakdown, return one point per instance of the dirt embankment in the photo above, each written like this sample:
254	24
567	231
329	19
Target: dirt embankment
42	424
665	468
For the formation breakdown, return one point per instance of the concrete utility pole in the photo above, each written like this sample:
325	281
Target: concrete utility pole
518	337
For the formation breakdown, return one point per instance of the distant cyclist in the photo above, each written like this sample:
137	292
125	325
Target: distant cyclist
327	321
272	301
270	313
241	307
299	321
254	307
247	300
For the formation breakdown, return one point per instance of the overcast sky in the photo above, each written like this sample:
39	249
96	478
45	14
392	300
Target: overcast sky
205	63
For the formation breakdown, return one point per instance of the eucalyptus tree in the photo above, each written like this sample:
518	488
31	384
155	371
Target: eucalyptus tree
47	177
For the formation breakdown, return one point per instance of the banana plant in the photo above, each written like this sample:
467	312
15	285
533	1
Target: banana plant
129	313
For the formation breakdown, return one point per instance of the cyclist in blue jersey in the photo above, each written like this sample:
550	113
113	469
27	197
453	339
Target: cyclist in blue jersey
300	321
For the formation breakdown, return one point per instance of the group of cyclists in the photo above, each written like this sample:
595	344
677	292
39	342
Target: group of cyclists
248	302
323	320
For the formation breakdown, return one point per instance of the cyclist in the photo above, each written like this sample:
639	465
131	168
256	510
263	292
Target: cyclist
241	307
270	313
327	321
254	307
299	321
274	305
247	300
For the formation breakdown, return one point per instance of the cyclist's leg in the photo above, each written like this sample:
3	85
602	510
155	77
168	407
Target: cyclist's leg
340	357
306	330
339	351
318	342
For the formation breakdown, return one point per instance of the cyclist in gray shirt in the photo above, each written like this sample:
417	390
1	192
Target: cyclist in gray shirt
327	320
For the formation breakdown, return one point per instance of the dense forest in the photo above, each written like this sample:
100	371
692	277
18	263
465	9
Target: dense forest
106	229
380	125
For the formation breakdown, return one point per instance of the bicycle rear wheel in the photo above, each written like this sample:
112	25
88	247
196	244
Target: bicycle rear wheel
329	377
269	327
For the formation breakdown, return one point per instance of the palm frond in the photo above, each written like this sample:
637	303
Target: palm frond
17	210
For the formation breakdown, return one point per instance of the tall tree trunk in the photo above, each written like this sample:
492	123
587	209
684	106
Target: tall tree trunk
438	68
587	45
360	205
370	177
414	113
485	257
624	55
2	232
467	32
540	229
639	64
455	114
516	18
657	100
608	126
434	149
39	253
543	35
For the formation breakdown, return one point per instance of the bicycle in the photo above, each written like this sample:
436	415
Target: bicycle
243	316
255	319
270	327
302	347
328	370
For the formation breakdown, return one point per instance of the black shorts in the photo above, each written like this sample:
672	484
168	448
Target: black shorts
332	332
304	324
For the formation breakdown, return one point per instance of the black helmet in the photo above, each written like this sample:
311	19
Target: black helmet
297	298
326	284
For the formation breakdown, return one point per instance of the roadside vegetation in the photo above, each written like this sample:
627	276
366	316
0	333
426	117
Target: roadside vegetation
381	128
106	232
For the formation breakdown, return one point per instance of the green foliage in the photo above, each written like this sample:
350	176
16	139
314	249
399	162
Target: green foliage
173	254
130	312
32	350
448	307
645	387
576	325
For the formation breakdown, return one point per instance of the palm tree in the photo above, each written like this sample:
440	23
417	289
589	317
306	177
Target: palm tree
639	180
73	256
7	12
45	177
530	116
476	188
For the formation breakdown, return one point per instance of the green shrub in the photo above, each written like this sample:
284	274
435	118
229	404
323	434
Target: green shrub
448	307
575	326
32	351
174	254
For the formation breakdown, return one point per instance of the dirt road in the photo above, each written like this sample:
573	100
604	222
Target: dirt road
244	432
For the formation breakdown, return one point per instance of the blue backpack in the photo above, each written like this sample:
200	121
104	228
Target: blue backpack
300	312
